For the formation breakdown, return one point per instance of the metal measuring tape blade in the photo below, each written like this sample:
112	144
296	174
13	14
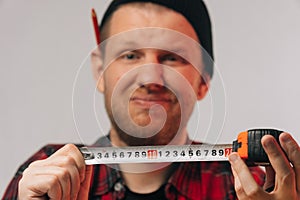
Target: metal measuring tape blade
247	145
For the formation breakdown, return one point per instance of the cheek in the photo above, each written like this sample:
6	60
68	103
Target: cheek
194	79
111	78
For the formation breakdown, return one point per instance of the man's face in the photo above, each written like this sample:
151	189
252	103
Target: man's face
151	76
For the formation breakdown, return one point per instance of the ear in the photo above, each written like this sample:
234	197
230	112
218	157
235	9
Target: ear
203	86
97	68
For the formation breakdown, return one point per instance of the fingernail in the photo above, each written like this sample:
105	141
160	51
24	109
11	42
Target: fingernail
233	157
269	143
286	138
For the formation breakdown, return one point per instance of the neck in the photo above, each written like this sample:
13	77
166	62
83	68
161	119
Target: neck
146	178
180	138
148	181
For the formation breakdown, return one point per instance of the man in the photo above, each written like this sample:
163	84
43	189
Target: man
149	42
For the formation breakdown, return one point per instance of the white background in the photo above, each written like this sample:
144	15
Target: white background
43	44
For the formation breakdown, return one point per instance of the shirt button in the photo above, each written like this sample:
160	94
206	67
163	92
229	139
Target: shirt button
118	187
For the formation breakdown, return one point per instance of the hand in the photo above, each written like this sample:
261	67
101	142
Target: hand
61	176
284	174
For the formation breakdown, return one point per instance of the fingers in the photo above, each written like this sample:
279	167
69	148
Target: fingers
42	183
292	151
63	168
238	186
245	185
58	177
270	179
284	172
71	154
85	185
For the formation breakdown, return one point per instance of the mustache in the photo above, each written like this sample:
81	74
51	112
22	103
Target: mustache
154	92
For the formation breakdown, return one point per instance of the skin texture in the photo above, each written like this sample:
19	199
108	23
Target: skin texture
64	174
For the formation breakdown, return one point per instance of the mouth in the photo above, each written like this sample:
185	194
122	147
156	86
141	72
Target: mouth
148	101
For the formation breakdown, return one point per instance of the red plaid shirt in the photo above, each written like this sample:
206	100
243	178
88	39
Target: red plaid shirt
190	180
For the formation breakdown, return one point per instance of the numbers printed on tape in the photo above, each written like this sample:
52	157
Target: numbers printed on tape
151	154
246	146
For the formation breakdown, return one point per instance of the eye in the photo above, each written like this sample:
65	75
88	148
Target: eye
170	58
173	59
130	55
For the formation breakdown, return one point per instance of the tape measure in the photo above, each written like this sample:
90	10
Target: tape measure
247	145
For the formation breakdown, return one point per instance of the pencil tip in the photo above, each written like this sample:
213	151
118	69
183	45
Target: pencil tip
93	12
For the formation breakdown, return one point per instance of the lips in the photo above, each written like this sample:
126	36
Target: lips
148	101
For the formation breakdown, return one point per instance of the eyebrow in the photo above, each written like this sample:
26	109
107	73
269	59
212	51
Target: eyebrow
123	44
175	49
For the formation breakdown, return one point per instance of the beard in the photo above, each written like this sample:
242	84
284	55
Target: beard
162	137
159	124
152	129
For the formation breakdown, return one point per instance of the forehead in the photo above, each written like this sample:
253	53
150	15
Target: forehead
140	15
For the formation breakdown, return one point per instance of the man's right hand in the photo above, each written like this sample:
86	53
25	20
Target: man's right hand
63	175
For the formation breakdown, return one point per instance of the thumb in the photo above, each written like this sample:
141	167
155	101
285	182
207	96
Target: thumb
85	185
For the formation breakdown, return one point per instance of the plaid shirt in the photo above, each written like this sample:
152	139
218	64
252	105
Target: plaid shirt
190	180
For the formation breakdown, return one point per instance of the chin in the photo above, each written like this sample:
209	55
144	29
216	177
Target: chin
160	138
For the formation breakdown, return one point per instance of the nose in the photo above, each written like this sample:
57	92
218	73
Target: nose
150	76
